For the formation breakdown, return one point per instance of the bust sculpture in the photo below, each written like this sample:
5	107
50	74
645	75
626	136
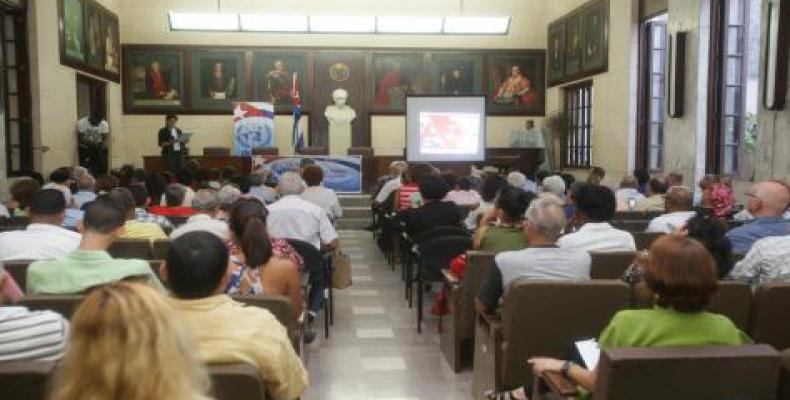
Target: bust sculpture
340	115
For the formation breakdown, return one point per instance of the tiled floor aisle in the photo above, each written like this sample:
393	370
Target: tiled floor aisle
374	351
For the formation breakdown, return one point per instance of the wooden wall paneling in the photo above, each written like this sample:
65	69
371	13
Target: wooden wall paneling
331	74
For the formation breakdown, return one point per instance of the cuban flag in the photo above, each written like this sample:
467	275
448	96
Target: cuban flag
253	126
297	137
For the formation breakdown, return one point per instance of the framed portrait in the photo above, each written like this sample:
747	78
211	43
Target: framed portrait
94	55
457	74
396	75
71	15
573	45
153	80
595	37
217	79
516	83
278	76
112	45
555	57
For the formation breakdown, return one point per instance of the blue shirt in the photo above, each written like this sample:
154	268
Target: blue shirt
743	237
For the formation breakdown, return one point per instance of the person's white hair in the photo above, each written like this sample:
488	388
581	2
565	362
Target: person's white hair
86	182
290	183
397	167
547	216
555	185
228	195
205	200
517	179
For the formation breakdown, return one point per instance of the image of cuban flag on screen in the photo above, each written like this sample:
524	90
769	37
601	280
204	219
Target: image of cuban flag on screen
253	126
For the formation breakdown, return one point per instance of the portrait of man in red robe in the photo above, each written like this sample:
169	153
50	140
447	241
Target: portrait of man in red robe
389	85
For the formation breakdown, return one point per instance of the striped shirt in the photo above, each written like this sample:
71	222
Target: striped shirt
404	195
36	335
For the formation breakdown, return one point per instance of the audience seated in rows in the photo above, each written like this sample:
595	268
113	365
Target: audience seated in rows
206	206
434	211
174	202
555	185
679	204
258	188
29	335
127	343
541	260
90	265
22	192
502	228
292	217
60	179
656	189
256	269
489	189
86	190
227	331
463	195
681	275
133	229
628	194
317	194
141	202
766	201
716	195
595	207
43	238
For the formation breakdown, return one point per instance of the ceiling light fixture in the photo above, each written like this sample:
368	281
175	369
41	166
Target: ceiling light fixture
274	23
342	24
476	25
415	25
203	21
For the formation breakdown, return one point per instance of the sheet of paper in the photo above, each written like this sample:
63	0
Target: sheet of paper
184	138
589	351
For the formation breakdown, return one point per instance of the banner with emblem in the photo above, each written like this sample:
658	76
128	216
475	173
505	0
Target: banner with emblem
343	174
253	126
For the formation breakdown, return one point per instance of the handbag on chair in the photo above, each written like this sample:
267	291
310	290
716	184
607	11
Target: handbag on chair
341	275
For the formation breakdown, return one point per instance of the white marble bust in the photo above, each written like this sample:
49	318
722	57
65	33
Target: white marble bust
340	112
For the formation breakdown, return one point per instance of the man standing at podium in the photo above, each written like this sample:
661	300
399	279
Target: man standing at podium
172	143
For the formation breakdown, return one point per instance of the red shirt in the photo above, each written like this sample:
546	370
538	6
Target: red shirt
172	211
405	193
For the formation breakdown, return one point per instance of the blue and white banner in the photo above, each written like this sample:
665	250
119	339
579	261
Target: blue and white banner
253	126
343	174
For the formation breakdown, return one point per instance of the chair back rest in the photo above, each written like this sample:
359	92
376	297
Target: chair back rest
313	260
63	304
610	265
478	266
688	373
770	321
544	318
636	215
236	382
437	254
216	151
440	231
265	151
159	249
279	306
784	376
177	220
18	270
131	248
27	380
632	226
643	240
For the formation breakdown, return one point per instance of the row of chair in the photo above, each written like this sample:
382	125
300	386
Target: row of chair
543	318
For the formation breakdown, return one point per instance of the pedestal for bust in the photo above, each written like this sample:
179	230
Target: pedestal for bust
340	118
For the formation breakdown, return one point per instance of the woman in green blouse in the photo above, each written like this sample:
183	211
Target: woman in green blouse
502	228
681	274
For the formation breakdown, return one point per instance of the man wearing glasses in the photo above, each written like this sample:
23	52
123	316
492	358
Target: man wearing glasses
767	202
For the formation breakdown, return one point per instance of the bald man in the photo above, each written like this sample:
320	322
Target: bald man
679	202
766	201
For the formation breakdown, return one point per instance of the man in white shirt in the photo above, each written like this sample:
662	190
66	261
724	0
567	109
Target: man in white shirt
206	204
313	176
43	239
292	217
595	206
542	260
60	179
767	261
397	168
679	202
628	190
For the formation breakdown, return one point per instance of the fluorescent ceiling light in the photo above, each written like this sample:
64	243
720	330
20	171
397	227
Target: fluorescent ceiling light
409	24
342	24
274	23
477	25
204	21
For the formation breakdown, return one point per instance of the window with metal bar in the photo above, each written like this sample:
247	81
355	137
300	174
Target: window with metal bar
577	141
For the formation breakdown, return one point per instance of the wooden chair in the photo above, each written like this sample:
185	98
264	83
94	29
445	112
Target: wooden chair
18	270
457	328
236	382
64	305
636	215
610	265
770	320
159	249
540	318
280	307
645	239
25	380
131	248
435	257
677	373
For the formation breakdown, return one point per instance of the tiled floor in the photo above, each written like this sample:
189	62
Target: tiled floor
374	351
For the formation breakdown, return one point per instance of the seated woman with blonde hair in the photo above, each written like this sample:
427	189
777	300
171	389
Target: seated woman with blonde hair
127	343
681	275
